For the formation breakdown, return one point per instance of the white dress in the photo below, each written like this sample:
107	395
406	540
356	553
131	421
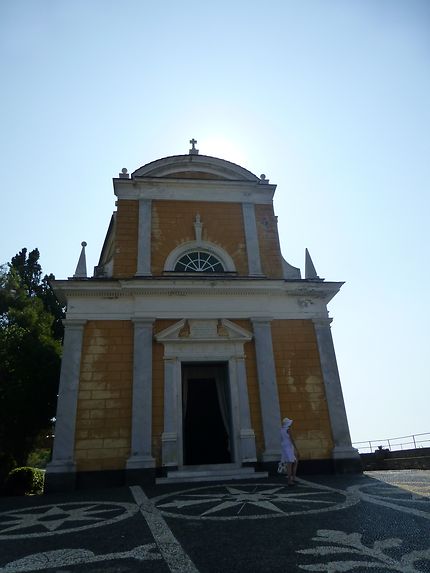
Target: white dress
287	448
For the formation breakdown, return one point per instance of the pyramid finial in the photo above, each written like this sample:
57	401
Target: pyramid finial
310	272
81	269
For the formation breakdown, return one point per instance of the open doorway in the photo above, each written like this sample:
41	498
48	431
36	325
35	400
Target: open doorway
206	413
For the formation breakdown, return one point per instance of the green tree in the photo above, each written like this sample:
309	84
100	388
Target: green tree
30	274
29	356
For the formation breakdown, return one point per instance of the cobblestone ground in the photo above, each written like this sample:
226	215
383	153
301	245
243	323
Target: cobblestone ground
375	522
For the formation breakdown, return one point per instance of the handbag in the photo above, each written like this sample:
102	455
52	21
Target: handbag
282	468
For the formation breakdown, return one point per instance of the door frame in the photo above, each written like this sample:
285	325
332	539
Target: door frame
219	371
205	340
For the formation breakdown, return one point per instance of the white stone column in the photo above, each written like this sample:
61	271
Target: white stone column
67	403
141	422
333	389
251	238
169	438
248	451
269	398
144	238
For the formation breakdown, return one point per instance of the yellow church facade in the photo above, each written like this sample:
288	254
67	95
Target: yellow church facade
194	338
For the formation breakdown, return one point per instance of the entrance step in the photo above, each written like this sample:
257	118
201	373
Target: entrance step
215	472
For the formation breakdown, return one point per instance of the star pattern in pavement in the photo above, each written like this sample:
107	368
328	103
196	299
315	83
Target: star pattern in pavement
61	518
245	501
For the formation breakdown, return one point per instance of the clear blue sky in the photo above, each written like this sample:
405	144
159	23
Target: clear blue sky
330	99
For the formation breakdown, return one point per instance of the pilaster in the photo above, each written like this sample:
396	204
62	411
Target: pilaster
64	443
333	389
141	424
269	398
251	238
248	451
144	238
169	438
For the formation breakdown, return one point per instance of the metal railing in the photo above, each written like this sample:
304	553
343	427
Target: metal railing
412	442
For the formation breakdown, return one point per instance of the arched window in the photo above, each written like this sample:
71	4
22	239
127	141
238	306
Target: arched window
199	262
199	257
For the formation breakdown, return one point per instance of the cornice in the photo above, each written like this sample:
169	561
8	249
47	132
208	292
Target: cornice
164	189
304	290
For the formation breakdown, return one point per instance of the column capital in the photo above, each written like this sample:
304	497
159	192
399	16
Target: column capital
74	322
143	321
323	321
261	319
171	359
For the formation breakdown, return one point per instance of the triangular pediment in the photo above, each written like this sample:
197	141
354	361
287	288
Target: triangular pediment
194	330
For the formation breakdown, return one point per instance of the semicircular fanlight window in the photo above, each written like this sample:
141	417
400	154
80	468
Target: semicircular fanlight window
199	262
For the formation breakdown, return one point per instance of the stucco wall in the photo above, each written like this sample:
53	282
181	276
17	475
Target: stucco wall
173	224
126	234
301	387
270	252
103	423
105	394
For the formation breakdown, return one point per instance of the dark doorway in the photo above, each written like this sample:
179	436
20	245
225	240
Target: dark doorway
207	414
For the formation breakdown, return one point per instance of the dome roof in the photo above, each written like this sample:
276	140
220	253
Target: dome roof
194	166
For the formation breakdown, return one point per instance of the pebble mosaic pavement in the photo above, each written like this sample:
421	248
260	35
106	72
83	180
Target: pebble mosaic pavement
376	522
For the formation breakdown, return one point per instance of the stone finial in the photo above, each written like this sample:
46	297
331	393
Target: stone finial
81	269
310	272
198	228
221	329
263	179
124	173
185	330
193	150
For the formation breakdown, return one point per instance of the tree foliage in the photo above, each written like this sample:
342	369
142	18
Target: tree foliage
30	349
29	272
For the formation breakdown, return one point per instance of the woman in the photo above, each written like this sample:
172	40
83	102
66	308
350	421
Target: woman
289	454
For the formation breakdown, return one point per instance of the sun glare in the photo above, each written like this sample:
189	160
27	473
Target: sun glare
218	146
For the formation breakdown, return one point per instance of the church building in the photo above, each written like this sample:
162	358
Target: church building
194	338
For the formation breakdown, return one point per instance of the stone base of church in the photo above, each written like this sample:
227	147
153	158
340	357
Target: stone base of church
142	476
115	478
66	482
98	479
314	467
57	482
347	466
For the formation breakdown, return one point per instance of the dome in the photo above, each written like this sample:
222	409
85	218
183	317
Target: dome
194	167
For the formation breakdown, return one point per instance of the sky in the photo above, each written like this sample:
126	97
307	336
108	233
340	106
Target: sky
328	98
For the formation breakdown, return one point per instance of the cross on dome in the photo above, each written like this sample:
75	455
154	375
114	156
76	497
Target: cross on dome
193	150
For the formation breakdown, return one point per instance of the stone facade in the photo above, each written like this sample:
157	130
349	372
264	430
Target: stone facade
149	332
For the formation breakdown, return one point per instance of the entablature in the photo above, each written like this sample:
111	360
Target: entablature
305	291
214	191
